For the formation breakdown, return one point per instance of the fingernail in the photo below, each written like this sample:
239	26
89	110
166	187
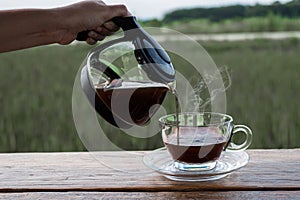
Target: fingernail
91	41
92	34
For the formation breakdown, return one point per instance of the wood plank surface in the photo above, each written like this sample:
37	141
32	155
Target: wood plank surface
125	171
245	195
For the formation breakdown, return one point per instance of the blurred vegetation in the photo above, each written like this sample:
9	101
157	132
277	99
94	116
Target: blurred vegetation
290	10
263	94
36	89
237	18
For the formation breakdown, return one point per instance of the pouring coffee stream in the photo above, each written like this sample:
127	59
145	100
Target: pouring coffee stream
123	99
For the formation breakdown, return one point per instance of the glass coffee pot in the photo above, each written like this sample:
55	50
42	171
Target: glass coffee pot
126	79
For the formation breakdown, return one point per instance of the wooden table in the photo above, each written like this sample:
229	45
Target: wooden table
270	174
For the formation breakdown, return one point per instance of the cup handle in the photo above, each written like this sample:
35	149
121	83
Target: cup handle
240	147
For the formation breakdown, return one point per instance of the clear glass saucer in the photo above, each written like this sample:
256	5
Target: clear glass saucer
161	161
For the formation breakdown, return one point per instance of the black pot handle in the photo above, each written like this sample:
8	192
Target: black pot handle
126	23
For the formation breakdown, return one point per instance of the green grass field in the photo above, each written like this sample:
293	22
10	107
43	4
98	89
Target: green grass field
264	92
36	88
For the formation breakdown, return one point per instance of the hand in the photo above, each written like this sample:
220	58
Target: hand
26	28
90	15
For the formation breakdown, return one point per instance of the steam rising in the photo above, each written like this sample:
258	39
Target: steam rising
199	99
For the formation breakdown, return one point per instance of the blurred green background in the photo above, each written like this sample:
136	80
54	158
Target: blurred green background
36	87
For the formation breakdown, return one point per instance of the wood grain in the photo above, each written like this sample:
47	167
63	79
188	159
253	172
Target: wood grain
124	171
245	195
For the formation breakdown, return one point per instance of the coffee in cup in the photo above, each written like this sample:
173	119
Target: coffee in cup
197	140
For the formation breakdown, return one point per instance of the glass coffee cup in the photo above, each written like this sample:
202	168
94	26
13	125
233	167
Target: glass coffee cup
196	140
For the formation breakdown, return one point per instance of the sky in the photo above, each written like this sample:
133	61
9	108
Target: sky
143	9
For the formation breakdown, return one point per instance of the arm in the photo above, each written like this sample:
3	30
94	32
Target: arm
26	28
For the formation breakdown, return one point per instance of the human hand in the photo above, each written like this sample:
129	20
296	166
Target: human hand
92	16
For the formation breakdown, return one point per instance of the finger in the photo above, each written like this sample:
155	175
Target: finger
103	31
96	36
112	27
91	41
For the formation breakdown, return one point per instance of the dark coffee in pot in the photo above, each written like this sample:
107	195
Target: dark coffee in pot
132	101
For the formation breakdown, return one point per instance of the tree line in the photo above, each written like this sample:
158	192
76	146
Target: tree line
289	10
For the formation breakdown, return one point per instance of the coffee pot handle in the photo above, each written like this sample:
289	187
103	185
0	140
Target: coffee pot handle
126	23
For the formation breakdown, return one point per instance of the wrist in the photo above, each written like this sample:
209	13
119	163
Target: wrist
62	33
